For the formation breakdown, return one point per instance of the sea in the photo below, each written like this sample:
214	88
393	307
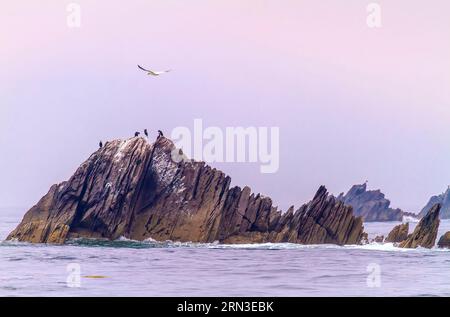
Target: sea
149	268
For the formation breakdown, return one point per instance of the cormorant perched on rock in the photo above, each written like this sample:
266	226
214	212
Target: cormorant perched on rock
160	134
137	133
100	144
146	132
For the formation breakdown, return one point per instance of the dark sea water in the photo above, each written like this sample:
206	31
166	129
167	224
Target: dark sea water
129	268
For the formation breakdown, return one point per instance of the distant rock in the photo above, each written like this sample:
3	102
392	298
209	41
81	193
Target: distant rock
379	239
134	189
398	233
371	205
444	241
425	233
410	217
442	199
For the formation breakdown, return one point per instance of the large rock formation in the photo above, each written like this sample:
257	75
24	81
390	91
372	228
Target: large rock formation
135	189
442	199
371	205
425	233
398	233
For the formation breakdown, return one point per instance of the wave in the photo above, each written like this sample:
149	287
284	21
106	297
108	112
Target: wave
14	243
123	242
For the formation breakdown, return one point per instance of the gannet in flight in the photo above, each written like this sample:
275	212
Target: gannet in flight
152	72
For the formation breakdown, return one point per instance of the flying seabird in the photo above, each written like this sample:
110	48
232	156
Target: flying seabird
152	72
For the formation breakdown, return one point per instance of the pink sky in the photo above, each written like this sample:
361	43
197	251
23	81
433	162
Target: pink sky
352	103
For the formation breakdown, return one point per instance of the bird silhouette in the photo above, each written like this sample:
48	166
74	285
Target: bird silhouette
136	133
100	144
152	72
146	132
160	134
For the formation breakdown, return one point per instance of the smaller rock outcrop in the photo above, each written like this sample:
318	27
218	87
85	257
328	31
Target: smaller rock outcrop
425	233
365	238
378	239
399	233
414	217
323	220
371	205
444	241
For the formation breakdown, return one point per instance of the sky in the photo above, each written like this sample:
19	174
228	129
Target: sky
352	103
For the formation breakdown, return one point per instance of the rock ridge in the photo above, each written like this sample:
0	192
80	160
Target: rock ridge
134	189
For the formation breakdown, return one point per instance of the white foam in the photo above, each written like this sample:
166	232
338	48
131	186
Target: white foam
374	246
409	219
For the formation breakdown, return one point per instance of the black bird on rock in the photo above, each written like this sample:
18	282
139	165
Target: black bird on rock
146	132
136	134
100	144
160	134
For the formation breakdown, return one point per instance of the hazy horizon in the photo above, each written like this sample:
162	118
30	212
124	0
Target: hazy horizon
352	103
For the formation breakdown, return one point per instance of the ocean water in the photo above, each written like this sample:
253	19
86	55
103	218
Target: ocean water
130	268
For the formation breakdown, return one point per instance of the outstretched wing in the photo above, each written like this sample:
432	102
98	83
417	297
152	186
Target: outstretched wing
159	72
151	72
140	67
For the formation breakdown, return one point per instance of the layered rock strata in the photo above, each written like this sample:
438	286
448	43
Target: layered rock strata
425	233
136	189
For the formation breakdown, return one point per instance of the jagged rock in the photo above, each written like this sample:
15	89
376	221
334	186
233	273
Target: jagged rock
134	189
442	199
371	205
365	238
425	233
444	241
398	233
378	239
